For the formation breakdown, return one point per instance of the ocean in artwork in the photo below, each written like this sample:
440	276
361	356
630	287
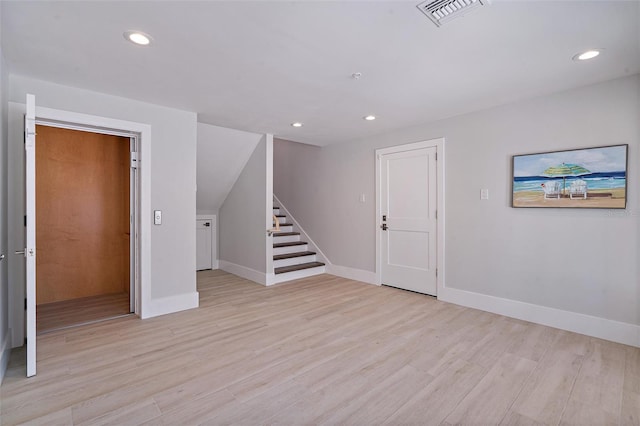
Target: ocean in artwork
594	181
601	172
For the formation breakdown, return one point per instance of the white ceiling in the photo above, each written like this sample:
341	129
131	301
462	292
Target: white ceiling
258	66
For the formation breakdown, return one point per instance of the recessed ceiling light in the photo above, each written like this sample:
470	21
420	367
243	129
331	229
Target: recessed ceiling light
370	117
138	38
296	124
589	54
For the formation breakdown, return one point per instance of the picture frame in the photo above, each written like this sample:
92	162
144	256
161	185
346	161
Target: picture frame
594	178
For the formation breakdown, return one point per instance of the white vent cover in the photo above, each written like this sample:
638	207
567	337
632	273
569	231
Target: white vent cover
441	11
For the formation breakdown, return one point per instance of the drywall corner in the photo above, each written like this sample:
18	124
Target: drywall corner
242	231
222	154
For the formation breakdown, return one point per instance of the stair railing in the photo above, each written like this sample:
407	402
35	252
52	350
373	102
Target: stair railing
276	222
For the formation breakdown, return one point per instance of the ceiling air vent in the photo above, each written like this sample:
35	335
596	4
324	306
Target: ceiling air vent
441	11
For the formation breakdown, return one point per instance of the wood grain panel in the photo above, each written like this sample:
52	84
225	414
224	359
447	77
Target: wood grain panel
82	214
57	315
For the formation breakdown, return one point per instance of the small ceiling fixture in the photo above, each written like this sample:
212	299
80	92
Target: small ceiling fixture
296	124
356	75
370	117
138	37
588	54
441	11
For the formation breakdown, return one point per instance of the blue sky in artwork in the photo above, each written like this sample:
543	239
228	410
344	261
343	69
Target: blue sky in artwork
596	160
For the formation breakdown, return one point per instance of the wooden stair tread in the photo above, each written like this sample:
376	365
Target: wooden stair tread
286	224
299	267
289	244
292	255
281	215
285	234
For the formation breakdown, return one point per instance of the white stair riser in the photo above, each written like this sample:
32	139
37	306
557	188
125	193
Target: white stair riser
285	239
286	228
290	249
294	261
295	275
276	211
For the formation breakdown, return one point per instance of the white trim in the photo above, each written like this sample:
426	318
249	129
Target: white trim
205	216
144	166
109	125
268	239
440	262
5	354
243	272
30	249
353	274
171	304
438	143
312	246
270	279
295	275
625	333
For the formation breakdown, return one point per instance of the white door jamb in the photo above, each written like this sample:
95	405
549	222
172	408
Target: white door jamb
439	144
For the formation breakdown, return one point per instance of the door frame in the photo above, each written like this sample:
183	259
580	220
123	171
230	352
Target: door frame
438	143
142	133
134	195
133	131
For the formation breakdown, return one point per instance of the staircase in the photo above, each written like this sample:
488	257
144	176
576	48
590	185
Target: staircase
291	257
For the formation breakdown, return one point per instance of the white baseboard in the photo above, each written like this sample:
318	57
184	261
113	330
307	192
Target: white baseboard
295	275
243	271
5	354
215	265
620	332
171	304
352	273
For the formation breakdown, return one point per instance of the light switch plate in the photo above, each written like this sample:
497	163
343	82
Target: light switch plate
484	194
157	217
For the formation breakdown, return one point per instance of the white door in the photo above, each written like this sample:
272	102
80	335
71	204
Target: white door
30	247
408	195
203	244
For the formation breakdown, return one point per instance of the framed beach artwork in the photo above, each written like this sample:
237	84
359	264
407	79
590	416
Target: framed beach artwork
577	178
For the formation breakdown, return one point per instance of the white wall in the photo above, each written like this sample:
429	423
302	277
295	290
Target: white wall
222	155
321	188
4	282
581	261
242	218
172	182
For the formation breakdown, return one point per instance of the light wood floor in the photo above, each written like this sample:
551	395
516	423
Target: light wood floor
322	350
52	316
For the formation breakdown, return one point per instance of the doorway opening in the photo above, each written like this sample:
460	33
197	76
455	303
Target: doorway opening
86	190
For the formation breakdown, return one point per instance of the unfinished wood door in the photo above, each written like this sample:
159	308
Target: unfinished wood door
82	214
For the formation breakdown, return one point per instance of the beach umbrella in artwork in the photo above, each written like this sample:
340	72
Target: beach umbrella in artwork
565	170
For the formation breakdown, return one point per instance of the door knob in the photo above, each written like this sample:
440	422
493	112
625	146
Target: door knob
1	256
